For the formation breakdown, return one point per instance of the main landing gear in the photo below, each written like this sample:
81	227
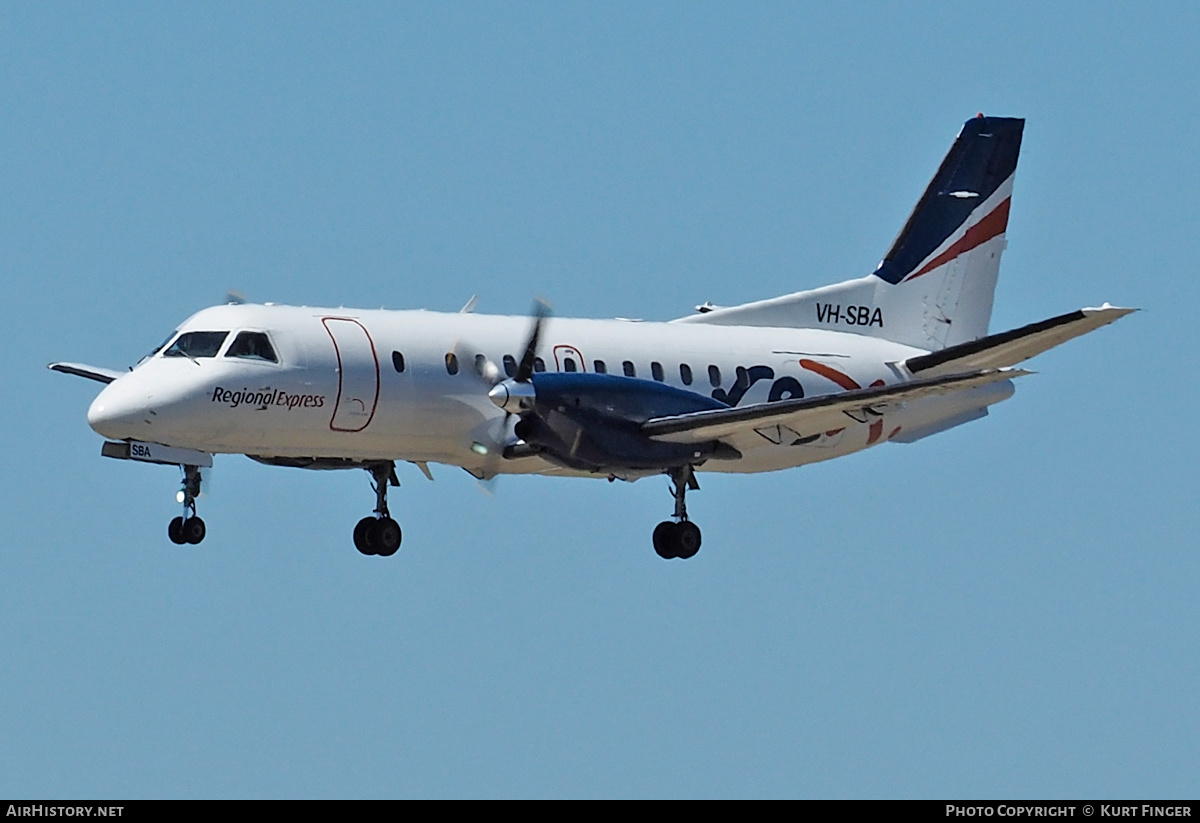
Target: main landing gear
379	534
189	528
681	537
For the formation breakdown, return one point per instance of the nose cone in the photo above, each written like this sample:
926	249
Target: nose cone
118	413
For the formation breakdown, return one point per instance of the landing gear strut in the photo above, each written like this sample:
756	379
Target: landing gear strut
379	534
189	528
681	537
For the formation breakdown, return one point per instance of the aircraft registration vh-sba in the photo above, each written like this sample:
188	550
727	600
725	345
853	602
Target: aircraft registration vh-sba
895	356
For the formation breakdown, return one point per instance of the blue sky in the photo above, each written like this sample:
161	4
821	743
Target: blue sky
1008	609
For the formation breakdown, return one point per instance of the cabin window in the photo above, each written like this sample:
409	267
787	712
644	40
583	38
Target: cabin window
480	364
656	371
539	364
630	371
252	345
598	367
197	344
451	363
569	364
714	376
685	374
510	365
398	362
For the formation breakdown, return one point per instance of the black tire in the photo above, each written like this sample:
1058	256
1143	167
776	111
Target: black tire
361	531
686	539
664	540
193	530
175	531
385	537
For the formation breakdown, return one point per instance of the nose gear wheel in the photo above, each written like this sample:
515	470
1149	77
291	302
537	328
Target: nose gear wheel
189	528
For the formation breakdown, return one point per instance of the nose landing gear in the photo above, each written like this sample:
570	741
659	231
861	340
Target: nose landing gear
379	534
189	528
681	537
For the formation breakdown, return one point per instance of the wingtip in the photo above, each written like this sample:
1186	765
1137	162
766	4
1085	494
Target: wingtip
1109	308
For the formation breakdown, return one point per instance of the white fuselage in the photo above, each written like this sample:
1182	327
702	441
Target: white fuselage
376	385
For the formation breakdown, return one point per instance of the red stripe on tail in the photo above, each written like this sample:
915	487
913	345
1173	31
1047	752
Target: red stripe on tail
983	231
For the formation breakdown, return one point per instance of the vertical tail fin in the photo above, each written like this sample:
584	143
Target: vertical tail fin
954	237
934	287
964	205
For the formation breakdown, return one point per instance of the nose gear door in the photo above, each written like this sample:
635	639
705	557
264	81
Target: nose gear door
358	374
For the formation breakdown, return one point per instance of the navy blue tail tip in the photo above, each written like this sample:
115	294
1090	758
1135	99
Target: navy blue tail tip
983	156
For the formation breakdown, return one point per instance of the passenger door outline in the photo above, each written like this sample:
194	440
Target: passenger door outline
358	394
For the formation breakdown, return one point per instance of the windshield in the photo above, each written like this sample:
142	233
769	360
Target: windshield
156	349
197	344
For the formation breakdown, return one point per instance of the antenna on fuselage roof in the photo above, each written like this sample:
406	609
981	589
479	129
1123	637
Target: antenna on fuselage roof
234	298
469	308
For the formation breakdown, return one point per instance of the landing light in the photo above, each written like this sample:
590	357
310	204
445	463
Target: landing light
179	496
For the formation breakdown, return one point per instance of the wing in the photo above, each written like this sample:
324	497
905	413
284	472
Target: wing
996	351
812	414
90	372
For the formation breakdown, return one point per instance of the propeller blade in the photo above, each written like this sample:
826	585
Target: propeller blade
514	395
525	368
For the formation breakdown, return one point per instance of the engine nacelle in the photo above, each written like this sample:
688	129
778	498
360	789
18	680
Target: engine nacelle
592	422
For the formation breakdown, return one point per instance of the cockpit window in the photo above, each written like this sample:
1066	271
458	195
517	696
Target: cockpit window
157	348
252	345
197	344
161	345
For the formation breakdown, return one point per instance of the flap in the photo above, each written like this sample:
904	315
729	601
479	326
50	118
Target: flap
811	414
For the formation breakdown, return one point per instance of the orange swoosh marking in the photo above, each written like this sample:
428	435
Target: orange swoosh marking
875	433
828	372
983	231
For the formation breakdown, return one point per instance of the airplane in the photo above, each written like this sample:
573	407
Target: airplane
895	356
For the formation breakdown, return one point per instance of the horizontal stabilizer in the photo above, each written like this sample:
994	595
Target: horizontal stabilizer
810	415
90	372
998	351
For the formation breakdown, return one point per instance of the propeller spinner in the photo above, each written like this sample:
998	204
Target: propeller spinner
516	395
